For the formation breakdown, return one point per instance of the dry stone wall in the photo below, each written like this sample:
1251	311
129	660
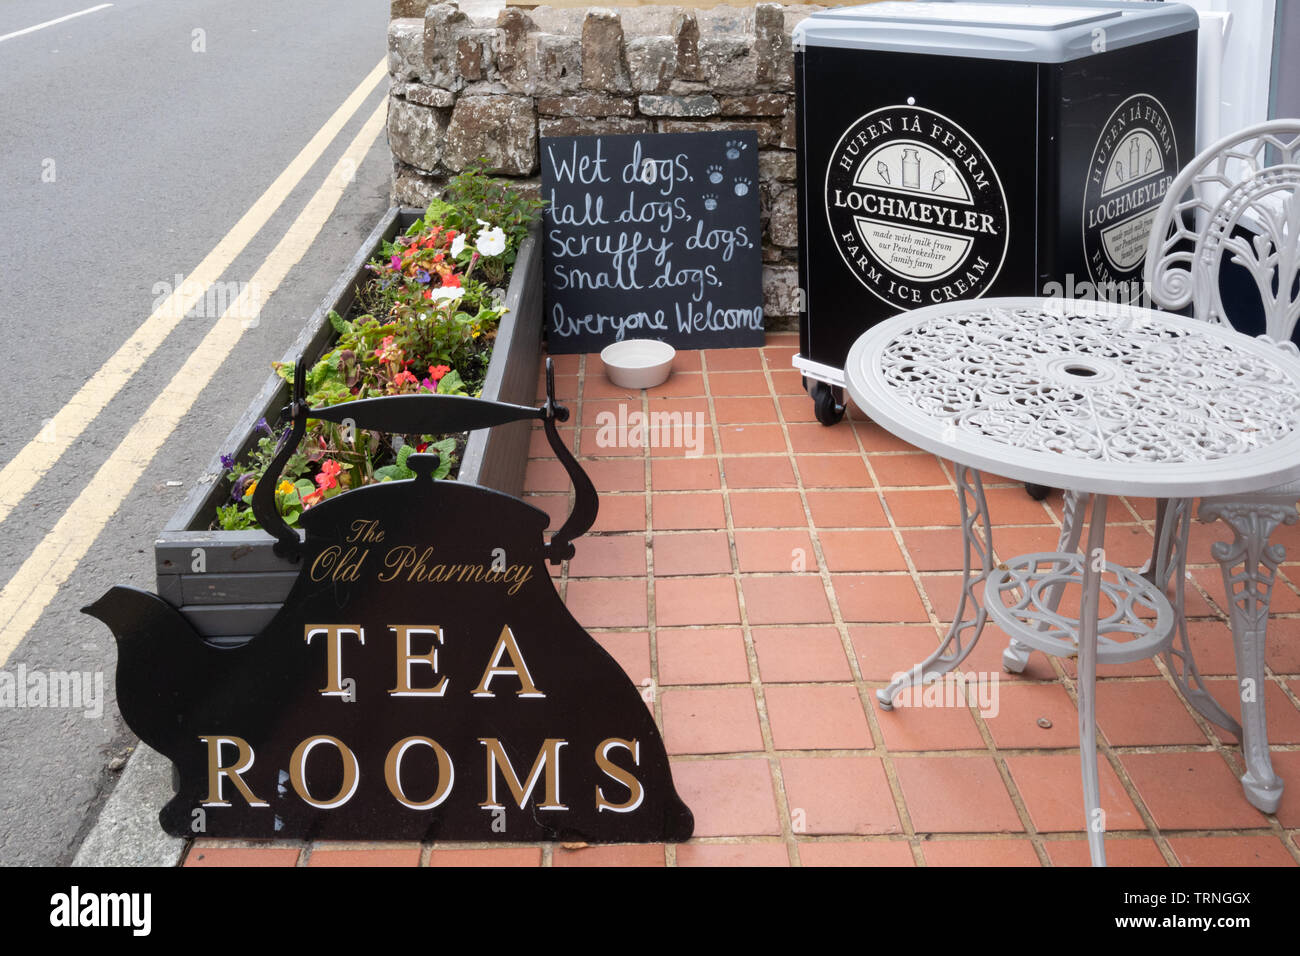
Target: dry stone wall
464	88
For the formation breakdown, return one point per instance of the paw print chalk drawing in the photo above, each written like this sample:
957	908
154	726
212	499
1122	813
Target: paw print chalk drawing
710	201
734	148
715	174
742	185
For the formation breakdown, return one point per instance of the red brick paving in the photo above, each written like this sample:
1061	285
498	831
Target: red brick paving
785	543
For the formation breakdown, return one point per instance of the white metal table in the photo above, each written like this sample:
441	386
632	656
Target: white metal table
1097	399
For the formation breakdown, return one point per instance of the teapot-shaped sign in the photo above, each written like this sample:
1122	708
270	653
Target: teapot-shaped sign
423	680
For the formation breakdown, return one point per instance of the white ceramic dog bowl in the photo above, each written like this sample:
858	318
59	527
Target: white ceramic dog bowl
638	363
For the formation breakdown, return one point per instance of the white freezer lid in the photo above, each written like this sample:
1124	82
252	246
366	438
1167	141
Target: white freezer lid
1055	31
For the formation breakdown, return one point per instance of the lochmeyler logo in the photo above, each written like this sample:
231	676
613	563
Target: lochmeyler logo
917	210
1134	162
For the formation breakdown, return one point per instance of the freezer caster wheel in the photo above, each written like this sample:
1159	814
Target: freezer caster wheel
828	402
1037	492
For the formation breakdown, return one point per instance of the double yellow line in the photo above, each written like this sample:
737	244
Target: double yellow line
52	562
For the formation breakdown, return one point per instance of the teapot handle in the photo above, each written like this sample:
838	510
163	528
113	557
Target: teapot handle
423	414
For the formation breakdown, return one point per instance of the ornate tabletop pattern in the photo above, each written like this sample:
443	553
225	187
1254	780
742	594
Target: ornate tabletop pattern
1101	384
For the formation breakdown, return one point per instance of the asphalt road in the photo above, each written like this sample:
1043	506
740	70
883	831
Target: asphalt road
132	139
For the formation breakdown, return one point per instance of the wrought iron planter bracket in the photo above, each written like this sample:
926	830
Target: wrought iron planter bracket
424	415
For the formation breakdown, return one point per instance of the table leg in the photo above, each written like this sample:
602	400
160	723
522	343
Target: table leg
1249	592
968	620
1016	657
1093	568
1170	564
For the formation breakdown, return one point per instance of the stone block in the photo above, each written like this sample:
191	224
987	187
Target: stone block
406	48
417	134
604	58
651	63
679	106
584	126
586	104
500	129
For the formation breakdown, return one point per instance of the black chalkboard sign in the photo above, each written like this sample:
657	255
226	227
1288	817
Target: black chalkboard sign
652	237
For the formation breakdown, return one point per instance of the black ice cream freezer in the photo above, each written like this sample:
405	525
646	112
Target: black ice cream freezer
952	150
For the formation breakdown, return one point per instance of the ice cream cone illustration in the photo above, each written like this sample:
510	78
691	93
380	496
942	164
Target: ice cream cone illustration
937	181
883	170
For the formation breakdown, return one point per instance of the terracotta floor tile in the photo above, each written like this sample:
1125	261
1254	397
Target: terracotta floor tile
1191	791
860	853
487	856
569	364
692	601
833	471
935	550
631	649
775	551
767	509
546	474
875	438
615	555
1119	852
733	854
1281	714
1212	647
979	853
924	508
789	654
607	603
617	513
693	407
403	856
908	470
1021	706
832	795
817	718
711	721
732	360
683	474
728	797
599	412
751	439
787	382
1230	851
1144	713
595	443
1012	506
270	855
738	383
687	510
797	408
914	725
744	411
625	854
566	387
956	795
679	384
884	650
883	598
1052	788
768	471
539	446
818	439
861	550
676	442
613	474
696	552
556	507
785	599
598	386
711	656
846	509
1282	651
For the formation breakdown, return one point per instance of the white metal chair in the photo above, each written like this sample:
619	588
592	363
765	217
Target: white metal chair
1240	200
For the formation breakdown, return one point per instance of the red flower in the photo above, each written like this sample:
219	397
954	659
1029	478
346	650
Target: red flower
328	477
451	281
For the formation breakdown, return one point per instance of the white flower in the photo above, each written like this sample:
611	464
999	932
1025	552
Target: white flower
447	293
457	246
491	242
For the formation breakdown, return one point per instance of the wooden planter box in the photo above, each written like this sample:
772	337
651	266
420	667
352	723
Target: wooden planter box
229	584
